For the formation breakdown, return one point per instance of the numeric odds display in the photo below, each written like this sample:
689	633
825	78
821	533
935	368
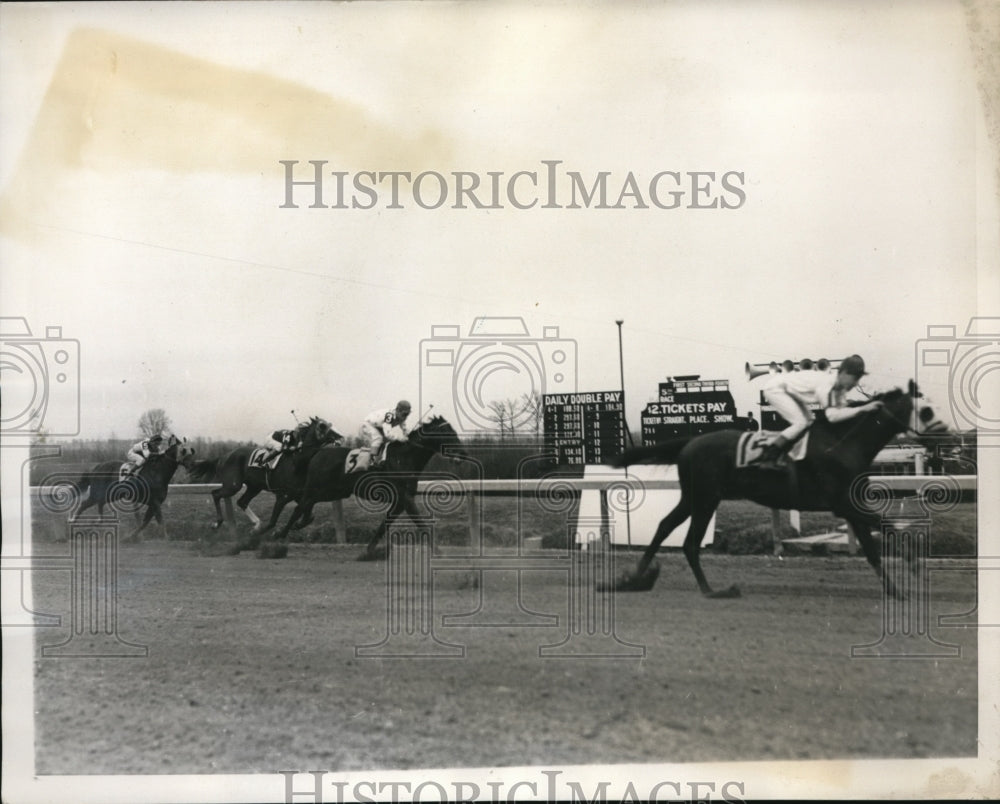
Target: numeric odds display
585	428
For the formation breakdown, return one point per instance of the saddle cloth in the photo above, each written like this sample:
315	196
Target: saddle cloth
751	445
257	459
124	471
358	460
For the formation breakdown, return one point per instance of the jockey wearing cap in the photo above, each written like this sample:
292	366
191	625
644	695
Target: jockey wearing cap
791	392
141	450
383	426
285	441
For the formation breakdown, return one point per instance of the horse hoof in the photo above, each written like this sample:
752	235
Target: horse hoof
725	594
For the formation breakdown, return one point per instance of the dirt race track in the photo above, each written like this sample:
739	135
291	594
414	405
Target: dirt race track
251	668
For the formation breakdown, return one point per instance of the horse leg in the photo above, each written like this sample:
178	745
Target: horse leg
667	525
692	549
280	502
244	505
89	502
146	520
302	511
161	522
218	495
861	528
383	528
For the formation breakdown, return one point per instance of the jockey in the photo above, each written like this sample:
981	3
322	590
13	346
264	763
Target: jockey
383	426
141	450
285	440
791	393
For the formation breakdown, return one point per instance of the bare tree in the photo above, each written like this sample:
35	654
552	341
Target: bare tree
499	410
534	411
153	421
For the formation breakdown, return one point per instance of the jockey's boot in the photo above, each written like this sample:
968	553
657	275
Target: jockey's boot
772	452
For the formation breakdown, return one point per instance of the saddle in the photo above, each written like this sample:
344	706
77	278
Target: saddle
358	460
751	445
124	471
257	459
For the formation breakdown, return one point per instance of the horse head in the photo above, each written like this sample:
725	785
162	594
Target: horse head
899	408
435	434
319	431
179	450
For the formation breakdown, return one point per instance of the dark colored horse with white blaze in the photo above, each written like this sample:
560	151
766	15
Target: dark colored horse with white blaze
147	486
285	480
326	480
829	478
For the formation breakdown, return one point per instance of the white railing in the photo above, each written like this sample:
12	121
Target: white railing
543	487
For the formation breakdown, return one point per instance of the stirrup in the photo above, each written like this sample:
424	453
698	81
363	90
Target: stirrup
769	459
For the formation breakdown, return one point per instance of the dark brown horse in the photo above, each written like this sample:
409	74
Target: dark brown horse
285	480
327	481
148	486
830	478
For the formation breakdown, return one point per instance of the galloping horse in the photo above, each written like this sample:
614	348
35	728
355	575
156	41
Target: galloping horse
148	485
285	480
327	481
829	478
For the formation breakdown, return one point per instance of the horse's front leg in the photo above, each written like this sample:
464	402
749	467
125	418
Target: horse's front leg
861	527
382	531
150	512
279	505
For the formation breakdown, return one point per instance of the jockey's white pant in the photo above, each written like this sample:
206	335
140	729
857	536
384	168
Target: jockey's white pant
793	411
373	438
136	459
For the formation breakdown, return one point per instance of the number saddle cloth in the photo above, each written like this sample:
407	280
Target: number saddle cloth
751	445
358	460
258	459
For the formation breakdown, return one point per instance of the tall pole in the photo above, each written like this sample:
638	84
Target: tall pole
621	374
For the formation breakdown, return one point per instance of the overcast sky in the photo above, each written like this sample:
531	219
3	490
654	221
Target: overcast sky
142	188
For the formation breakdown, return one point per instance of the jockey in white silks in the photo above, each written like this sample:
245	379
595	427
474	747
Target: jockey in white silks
791	393
381	427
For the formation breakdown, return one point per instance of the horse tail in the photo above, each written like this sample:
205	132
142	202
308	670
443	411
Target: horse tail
664	453
84	482
200	471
